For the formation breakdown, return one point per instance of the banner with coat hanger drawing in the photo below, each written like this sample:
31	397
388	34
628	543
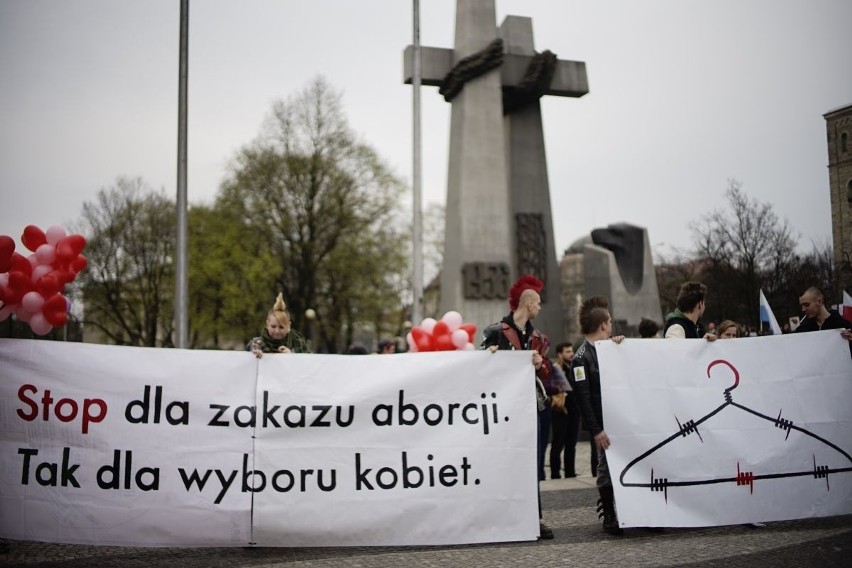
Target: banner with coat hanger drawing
725	432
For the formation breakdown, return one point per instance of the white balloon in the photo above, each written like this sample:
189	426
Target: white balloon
46	253
453	320
32	302
22	314
460	338
412	346
469	347
428	325
40	325
54	234
40	271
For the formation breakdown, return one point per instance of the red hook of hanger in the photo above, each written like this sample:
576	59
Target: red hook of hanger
734	369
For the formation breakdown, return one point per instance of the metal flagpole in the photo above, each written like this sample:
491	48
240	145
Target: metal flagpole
181	284
417	240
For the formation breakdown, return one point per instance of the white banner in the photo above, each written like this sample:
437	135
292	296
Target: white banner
731	431
163	447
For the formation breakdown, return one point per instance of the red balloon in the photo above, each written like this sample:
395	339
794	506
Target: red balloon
33	237
470	328
19	284
47	285
79	264
7	247
68	248
21	264
63	275
444	342
55	310
441	329
422	340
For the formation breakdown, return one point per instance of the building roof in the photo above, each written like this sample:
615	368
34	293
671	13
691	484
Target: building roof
847	107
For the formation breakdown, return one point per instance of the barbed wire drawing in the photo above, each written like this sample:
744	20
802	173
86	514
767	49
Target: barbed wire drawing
742	478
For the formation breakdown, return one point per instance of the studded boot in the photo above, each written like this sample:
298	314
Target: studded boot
606	510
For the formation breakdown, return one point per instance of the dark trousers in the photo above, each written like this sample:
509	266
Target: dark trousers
566	426
544	418
603	479
539	456
594	459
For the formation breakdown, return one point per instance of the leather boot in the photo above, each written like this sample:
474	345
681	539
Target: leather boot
606	510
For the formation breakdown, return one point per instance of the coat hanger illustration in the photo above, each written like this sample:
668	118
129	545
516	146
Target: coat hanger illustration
742	477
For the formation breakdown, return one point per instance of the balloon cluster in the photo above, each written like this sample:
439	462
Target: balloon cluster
33	287
446	334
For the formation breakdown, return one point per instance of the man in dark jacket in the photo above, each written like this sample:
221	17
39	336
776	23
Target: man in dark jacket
516	332
817	317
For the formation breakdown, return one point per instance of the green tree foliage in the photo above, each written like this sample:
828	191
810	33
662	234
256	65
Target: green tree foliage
744	247
128	287
327	209
231	276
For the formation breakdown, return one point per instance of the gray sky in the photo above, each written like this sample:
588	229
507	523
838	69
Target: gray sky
683	96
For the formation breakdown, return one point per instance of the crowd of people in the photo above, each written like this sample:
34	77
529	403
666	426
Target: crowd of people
568	388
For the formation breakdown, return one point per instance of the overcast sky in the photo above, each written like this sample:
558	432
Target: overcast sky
683	96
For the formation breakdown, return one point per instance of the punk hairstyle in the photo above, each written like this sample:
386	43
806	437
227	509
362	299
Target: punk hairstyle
279	311
593	312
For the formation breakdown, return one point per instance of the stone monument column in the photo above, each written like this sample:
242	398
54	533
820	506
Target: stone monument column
499	224
529	189
478	251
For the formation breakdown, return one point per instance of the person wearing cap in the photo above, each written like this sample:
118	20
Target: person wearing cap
386	347
277	336
516	332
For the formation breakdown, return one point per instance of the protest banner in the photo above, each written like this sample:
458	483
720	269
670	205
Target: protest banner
164	447
732	431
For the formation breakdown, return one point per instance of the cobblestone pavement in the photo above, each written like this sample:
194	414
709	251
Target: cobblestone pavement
569	508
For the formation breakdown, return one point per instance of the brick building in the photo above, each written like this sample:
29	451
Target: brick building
839	127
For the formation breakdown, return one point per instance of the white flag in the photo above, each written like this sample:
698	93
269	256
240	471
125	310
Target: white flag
767	315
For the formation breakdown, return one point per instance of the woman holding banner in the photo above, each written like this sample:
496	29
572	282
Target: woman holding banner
277	336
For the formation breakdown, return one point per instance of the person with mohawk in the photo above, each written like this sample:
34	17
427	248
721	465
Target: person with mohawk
516	332
278	336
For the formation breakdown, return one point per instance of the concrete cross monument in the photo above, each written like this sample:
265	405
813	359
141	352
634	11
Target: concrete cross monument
498	219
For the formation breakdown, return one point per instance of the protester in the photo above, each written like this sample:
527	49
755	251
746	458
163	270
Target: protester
585	378
817	317
545	419
386	347
278	336
516	332
648	328
356	349
728	330
565	415
684	321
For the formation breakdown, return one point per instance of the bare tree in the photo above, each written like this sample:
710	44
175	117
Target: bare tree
128	287
746	248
